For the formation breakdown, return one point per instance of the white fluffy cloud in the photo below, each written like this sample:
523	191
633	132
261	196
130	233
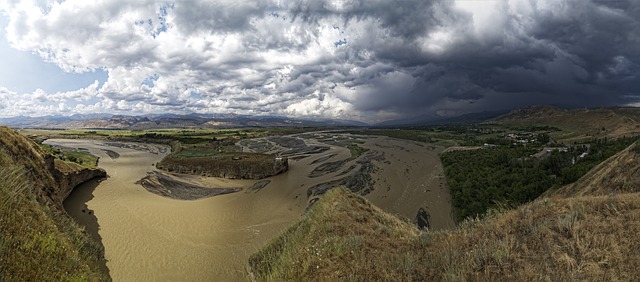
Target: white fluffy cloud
365	60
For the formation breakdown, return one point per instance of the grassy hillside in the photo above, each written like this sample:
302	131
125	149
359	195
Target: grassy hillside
343	237
38	241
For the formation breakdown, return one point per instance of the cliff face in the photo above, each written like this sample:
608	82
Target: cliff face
231	167
38	240
51	178
70	175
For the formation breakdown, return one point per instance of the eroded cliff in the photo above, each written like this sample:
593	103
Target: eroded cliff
38	240
231	166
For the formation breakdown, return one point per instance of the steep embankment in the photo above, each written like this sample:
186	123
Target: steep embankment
38	241
587	234
70	175
227	165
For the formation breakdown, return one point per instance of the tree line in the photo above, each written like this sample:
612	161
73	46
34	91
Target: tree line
510	175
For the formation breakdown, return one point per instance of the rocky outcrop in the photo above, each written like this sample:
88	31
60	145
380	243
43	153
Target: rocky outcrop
70	175
422	219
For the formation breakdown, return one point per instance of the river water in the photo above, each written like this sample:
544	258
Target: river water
152	238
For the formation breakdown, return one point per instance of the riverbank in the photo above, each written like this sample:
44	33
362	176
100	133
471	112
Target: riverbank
152	237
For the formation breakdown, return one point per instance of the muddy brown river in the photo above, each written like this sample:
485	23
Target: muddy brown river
152	238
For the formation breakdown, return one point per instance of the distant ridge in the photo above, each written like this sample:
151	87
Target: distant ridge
616	121
438	120
609	122
108	121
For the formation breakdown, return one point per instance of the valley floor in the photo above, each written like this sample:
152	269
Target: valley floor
150	237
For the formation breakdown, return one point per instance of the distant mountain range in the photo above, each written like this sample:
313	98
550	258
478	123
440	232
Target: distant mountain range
617	121
439	120
109	121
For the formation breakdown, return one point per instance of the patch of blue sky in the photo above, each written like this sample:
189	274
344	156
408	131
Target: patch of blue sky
195	96
276	14
151	80
163	11
24	72
341	42
46	5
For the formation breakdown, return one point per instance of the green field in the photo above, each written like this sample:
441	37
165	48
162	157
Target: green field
83	159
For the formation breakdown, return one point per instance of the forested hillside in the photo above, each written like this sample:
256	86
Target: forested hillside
512	175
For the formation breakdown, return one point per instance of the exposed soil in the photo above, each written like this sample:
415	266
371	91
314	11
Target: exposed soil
327	168
227	165
153	149
112	154
296	146
349	169
359	181
323	159
172	187
256	187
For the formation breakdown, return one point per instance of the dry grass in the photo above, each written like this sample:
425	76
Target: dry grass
38	242
17	147
337	239
344	238
561	239
67	167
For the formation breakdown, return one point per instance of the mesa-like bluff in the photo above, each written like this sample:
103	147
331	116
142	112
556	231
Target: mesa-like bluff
230	165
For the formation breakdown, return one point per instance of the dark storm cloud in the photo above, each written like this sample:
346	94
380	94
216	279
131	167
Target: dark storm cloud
585	47
586	54
355	59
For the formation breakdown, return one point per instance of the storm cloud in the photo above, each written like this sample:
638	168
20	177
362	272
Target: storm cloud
362	60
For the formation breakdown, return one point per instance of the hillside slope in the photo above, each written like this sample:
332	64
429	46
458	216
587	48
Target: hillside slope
618	174
38	241
343	237
609	122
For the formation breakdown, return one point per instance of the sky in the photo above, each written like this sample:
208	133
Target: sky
365	60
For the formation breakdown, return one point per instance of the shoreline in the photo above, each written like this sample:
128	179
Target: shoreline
213	237
175	187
